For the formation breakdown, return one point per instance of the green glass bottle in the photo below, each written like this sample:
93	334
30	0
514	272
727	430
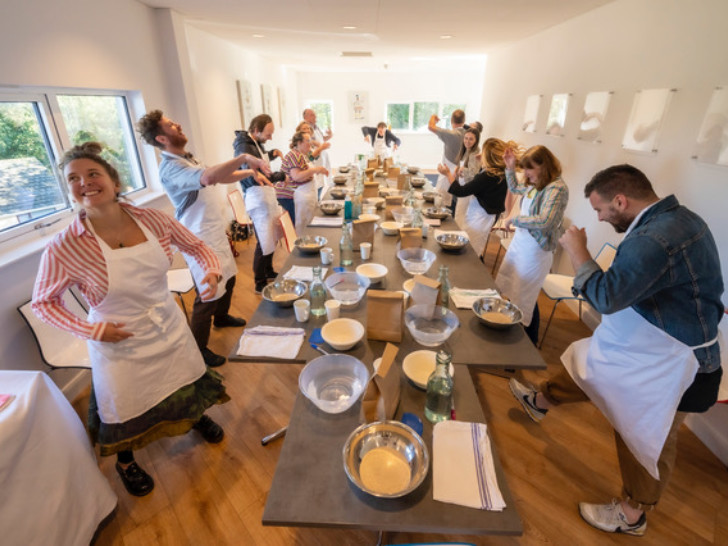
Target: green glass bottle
439	390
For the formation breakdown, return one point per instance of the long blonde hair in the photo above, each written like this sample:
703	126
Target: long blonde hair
492	156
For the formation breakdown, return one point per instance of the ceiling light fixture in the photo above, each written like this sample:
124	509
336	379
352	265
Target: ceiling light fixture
258	36
349	27
446	36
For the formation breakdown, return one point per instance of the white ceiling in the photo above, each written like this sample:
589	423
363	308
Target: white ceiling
309	33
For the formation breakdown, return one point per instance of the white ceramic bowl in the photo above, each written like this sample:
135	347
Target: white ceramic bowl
408	285
342	333
348	287
386	459
390	228
374	272
430	325
416	261
372	217
419	365
333	382
376	201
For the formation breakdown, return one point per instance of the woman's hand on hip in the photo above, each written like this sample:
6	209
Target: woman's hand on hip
114	332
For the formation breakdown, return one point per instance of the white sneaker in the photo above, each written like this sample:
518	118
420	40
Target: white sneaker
527	397
611	518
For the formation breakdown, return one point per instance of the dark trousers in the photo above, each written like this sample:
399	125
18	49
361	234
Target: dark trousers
262	264
289	206
532	329
203	311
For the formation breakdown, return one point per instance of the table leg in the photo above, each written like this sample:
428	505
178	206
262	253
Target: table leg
380	538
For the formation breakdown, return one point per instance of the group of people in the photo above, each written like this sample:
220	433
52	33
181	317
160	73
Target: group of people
654	358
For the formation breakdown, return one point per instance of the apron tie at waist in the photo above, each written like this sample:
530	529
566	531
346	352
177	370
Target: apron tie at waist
706	344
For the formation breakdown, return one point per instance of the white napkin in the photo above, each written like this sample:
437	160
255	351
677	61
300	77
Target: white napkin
303	273
271	341
326	221
462	460
432	222
463	298
439	232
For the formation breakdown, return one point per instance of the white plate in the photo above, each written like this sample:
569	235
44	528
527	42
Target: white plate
419	365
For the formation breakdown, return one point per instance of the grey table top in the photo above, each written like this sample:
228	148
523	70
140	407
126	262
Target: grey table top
477	345
310	487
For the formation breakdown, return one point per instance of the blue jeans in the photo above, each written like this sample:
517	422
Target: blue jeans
289	206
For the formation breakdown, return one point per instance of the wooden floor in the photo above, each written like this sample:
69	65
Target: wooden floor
215	494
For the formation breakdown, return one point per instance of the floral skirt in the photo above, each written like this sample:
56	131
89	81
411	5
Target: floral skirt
173	416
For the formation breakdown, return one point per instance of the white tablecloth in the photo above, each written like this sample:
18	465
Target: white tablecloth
53	491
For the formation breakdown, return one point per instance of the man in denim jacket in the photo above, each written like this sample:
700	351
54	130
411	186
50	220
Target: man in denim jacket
667	270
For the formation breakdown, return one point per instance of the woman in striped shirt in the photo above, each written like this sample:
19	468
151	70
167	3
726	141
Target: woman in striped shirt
148	376
299	188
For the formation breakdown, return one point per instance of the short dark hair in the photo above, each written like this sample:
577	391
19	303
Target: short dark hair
92	151
458	116
149	128
258	123
624	179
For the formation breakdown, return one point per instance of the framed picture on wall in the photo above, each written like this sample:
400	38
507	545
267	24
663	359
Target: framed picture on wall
712	144
557	114
531	114
593	115
245	102
358	106
266	96
645	120
281	106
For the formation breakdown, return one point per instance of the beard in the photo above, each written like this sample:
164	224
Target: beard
177	141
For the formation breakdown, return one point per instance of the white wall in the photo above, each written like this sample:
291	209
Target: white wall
74	43
623	47
425	84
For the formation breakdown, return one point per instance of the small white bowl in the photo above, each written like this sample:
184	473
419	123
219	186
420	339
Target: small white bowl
374	272
372	217
408	285
419	365
390	228
376	201
342	333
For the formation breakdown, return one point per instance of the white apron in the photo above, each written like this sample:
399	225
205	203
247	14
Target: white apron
443	184
462	204
524	268
380	146
305	199
636	374
204	218
321	181
477	224
264	210
134	375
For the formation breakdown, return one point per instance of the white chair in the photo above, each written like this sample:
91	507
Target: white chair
558	287
179	282
58	348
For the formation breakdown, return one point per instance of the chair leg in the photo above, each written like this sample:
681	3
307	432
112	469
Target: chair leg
495	262
551	316
184	307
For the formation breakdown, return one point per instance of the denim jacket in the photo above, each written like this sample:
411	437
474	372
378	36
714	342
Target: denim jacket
668	270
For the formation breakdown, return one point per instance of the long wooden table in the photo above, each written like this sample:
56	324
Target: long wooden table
310	487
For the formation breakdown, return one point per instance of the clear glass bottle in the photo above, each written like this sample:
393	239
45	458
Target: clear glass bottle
439	390
317	293
444	285
417	219
346	248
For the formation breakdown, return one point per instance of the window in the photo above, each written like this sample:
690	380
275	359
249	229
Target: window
35	129
324	114
415	116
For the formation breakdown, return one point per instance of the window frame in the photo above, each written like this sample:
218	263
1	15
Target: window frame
410	130
58	140
330	103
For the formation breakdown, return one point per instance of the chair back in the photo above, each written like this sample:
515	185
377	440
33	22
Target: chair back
605	256
237	202
58	348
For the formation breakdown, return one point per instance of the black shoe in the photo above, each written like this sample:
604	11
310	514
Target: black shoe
259	287
271	276
211	359
210	431
136	481
229	320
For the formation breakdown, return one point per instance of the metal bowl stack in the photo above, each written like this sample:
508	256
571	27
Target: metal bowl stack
330	207
310	245
338	193
386	459
340	180
437	213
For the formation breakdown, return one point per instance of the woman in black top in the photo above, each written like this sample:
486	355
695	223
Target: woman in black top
489	188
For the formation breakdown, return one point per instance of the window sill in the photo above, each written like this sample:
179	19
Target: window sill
34	242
